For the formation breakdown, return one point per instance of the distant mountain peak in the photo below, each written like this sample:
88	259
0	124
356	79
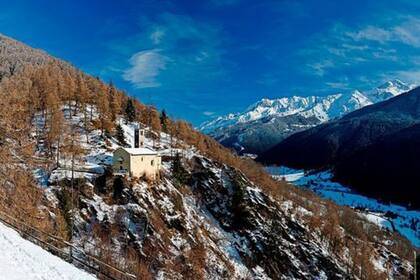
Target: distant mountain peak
394	83
389	89
301	112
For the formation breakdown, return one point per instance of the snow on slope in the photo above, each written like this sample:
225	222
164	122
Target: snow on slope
405	221
389	89
322	108
206	206
22	260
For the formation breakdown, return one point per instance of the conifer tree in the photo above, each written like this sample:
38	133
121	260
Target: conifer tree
68	91
130	111
164	121
154	119
178	170
54	121
104	119
114	102
119	134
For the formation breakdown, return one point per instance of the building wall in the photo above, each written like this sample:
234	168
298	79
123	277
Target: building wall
116	165
136	165
142	165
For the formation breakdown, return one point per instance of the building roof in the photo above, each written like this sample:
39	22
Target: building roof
140	151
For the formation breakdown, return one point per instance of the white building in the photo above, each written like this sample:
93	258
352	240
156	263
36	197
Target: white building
137	161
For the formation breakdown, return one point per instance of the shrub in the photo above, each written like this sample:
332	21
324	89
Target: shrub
178	171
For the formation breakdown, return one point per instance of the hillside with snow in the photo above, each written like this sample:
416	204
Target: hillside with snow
387	215
268	121
14	56
20	259
206	210
209	214
375	149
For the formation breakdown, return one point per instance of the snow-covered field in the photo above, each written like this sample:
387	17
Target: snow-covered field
405	221
22	260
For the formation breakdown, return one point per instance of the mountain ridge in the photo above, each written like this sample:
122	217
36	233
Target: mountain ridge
363	142
14	56
276	119
213	215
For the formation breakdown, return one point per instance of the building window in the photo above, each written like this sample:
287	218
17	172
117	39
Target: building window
152	162
141	158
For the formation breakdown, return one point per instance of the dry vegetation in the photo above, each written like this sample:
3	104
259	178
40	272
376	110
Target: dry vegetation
46	88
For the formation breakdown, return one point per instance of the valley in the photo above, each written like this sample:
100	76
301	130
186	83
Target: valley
390	216
96	182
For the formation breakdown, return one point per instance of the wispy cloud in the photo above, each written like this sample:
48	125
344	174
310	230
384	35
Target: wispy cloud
380	50
208	113
174	52
157	36
371	33
406	32
145	68
320	67
410	75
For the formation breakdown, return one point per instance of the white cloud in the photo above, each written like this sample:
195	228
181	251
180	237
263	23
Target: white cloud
192	47
145	68
405	32
412	76
371	49
157	36
338	85
319	68
371	33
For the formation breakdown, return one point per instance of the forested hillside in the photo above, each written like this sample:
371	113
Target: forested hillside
374	149
212	215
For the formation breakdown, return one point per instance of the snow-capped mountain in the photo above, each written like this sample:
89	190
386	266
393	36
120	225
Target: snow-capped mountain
389	89
211	215
268	121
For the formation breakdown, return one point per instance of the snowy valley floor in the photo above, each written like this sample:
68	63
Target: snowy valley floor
22	260
406	222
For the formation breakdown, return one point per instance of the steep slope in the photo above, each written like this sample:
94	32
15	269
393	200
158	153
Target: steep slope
267	122
373	149
14	56
21	259
211	214
217	214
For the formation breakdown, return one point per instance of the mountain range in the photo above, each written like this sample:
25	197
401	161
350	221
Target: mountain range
211	214
375	149
269	121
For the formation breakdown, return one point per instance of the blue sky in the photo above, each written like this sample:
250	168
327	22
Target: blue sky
200	59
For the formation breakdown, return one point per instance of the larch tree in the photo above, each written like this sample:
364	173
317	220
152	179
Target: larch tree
68	91
104	118
54	122
114	102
